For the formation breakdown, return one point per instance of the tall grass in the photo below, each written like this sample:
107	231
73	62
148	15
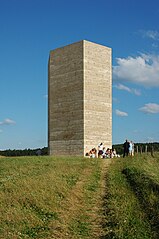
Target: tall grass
79	198
132	198
46	197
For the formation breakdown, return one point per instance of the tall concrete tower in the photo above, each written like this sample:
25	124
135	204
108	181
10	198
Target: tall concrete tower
80	98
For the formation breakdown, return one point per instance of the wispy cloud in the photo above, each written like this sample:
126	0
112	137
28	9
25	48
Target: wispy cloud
7	122
121	113
46	96
150	108
151	34
130	90
142	70
115	100
150	139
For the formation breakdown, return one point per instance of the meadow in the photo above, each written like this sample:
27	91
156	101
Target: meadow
79	198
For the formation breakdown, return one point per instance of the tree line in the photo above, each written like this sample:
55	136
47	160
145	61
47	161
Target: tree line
24	152
139	147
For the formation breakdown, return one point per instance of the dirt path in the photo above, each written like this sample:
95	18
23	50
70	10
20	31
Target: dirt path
98	224
74	206
71	207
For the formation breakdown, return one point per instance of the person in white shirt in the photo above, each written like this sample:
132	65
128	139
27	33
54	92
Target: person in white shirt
100	149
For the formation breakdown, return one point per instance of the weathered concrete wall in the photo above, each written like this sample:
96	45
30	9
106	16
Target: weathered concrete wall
66	119
97	95
80	98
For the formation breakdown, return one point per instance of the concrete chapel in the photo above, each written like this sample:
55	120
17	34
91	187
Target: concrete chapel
79	98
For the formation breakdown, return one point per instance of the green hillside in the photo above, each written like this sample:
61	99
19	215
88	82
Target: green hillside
72	197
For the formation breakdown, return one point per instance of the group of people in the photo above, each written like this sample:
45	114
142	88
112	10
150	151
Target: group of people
102	152
128	148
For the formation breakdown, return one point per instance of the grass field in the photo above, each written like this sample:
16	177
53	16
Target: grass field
132	198
45	197
76	198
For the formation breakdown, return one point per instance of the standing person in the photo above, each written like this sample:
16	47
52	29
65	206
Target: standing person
104	152
131	148
100	149
126	148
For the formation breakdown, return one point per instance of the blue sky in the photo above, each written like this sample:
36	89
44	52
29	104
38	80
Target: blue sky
29	29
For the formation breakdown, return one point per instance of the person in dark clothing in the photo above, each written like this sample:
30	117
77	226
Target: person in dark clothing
126	148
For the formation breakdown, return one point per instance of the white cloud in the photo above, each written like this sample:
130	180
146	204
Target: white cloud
115	100
122	87
136	131
121	113
150	139
130	90
154	35
150	108
142	70
45	96
7	122
136	92
155	45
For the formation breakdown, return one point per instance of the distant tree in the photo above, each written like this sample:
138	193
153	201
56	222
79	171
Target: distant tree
24	152
143	146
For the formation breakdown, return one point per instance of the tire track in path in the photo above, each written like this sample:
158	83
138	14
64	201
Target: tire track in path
99	208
